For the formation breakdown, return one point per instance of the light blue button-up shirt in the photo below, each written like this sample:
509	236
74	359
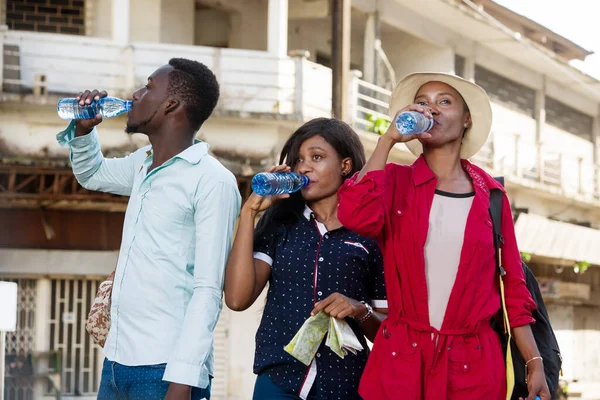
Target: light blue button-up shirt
179	223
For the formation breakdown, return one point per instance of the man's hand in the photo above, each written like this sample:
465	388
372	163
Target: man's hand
85	126
177	391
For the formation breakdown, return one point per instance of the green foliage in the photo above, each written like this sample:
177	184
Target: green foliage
581	266
526	257
380	125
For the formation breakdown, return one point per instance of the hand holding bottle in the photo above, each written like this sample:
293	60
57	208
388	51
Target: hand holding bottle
398	137
85	126
257	203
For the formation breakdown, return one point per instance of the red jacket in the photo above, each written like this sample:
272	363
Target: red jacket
411	359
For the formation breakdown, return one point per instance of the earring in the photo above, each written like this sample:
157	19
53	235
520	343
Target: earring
465	125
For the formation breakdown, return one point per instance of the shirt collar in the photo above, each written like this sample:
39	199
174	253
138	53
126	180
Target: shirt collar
307	212
192	154
481	180
421	172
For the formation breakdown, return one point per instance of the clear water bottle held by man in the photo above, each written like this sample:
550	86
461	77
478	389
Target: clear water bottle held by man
272	183
413	123
69	108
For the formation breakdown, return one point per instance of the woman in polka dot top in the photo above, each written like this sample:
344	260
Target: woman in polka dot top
312	263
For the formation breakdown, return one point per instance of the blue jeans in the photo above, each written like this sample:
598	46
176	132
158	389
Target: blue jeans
265	389
120	382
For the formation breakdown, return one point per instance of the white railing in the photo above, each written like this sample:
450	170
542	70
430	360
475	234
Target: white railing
520	159
368	104
538	164
60	64
51	64
258	82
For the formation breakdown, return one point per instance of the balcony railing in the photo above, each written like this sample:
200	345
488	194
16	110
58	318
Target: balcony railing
368	103
529	163
48	66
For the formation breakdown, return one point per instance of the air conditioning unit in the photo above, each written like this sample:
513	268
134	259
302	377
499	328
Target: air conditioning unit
554	289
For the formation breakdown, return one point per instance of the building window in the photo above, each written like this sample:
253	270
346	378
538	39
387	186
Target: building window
52	16
568	119
506	92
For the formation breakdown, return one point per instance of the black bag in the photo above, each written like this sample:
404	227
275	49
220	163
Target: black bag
542	330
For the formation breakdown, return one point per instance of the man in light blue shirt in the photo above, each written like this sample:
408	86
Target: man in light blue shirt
167	292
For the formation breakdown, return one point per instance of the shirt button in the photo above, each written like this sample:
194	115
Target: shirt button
399	212
320	258
326	236
320	293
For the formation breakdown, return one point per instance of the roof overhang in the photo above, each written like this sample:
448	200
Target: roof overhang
555	240
469	21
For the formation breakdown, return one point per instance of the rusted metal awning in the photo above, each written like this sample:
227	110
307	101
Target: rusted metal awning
56	188
546	238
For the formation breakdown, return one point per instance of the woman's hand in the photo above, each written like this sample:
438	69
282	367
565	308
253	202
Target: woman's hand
257	203
396	136
339	306
536	381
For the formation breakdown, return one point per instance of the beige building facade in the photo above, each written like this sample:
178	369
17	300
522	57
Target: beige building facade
272	58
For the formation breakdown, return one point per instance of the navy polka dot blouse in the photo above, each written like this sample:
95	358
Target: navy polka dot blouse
308	263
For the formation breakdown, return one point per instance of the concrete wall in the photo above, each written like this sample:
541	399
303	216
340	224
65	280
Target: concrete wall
212	28
253	139
30	132
249	25
242	331
314	35
162	21
246	22
145	20
409	54
98	18
177	21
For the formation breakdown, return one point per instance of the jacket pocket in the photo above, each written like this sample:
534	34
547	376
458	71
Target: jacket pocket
465	368
401	378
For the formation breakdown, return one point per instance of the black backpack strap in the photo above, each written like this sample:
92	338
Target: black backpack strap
496	200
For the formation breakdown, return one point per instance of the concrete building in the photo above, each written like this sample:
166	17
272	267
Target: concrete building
272	57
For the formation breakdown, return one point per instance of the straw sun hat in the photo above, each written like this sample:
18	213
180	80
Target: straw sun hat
476	98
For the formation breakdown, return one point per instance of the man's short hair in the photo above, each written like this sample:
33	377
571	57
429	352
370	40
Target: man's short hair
197	87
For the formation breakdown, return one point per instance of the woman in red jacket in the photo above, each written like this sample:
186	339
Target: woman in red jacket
432	223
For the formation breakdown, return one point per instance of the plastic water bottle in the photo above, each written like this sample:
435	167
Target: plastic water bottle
108	107
413	122
269	183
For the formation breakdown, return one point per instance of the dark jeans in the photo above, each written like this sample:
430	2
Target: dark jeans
265	389
120	382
